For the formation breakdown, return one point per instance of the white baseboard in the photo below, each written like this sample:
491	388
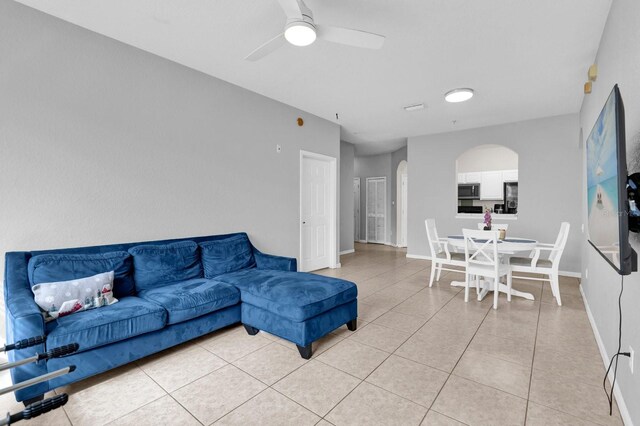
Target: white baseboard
570	274
622	406
418	256
562	273
362	241
347	251
336	266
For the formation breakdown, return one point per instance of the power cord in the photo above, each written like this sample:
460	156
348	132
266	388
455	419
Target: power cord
617	354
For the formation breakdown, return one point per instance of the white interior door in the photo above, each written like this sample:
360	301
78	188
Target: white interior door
376	210
356	209
315	214
403	212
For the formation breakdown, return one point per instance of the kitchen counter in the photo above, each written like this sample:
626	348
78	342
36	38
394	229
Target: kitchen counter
494	216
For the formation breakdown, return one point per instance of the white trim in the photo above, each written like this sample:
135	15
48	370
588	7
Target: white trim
562	273
347	251
333	199
366	225
622	406
418	256
337	266
362	241
570	274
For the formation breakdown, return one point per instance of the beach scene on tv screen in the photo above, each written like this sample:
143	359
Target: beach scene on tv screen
602	184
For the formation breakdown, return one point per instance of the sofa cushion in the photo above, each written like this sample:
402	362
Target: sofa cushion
190	299
226	255
293	295
158	265
130	317
46	268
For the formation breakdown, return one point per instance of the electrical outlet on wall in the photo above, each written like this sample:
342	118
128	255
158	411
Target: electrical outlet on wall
278	149
631	359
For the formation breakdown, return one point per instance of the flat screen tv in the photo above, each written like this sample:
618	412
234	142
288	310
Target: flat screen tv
608	205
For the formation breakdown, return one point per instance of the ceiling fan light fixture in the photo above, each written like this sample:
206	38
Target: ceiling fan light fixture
300	33
458	95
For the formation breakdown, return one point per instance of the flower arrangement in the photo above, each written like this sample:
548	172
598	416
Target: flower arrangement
487	220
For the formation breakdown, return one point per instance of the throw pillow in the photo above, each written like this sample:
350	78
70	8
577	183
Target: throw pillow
63	298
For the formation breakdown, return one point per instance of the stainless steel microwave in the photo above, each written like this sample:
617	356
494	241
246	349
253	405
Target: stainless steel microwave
468	191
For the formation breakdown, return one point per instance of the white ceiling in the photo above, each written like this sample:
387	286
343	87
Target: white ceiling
525	59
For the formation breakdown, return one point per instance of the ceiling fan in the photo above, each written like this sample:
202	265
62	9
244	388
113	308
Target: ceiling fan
301	30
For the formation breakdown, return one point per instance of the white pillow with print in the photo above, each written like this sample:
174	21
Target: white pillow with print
62	298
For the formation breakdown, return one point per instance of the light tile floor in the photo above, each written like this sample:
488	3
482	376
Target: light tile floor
421	356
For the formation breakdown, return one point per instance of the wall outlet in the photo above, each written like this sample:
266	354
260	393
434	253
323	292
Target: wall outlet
631	359
278	149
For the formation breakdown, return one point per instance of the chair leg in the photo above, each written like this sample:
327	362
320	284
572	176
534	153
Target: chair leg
509	283
555	286
439	272
496	292
467	279
433	271
477	285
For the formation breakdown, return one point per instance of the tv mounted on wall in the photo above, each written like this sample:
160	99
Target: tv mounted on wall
608	205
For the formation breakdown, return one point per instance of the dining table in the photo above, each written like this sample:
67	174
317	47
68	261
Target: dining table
506	248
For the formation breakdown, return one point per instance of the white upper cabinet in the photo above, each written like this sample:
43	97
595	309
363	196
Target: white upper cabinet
491	185
510	175
473	177
462	178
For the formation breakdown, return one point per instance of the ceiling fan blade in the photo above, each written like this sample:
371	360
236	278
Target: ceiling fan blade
350	37
267	48
291	8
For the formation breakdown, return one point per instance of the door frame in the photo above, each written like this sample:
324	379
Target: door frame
333	207
366	227
358	217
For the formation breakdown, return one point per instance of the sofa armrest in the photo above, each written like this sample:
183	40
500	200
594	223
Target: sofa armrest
279	263
23	320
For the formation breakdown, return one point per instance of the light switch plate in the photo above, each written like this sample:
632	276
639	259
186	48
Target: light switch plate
278	149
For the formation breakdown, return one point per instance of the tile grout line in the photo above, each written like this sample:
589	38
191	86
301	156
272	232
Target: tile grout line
458	361
533	359
363	380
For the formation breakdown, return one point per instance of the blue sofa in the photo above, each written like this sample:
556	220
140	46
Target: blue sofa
226	280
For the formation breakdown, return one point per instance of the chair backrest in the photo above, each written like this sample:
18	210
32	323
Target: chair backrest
494	226
481	248
432	236
560	243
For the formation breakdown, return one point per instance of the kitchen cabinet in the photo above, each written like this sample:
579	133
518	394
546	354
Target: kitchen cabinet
462	178
510	175
473	177
491	185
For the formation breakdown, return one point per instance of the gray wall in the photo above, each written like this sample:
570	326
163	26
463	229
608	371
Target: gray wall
396	158
549	161
618	62
373	166
347	152
378	166
487	158
101	143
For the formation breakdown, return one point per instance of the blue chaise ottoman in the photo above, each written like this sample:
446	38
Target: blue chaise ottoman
298	307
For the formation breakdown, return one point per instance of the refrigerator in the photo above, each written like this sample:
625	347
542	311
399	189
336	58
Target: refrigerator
510	193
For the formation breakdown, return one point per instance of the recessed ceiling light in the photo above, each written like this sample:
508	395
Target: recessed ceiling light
414	107
300	33
458	95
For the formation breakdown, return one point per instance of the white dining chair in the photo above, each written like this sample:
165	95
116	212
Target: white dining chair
494	226
440	254
481	255
548	266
